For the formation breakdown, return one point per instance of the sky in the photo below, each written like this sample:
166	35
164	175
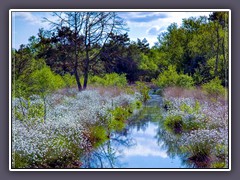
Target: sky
140	24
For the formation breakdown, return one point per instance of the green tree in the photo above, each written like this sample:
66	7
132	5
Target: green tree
44	82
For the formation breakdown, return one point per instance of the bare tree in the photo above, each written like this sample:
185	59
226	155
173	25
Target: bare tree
95	29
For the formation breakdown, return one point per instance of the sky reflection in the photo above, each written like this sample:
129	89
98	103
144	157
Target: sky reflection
147	152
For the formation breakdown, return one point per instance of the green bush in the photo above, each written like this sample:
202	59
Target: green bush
190	110
214	88
69	80
144	91
170	77
174	124
112	79
98	135
120	116
185	81
44	81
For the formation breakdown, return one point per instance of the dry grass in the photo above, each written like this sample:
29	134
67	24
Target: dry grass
195	93
113	91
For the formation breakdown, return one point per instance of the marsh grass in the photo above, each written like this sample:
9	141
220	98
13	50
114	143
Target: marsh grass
76	122
204	126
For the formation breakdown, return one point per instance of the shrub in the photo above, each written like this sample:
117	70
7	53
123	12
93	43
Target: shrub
167	105
190	110
144	91
98	135
112	79
174	124
214	88
185	81
69	80
170	77
44	81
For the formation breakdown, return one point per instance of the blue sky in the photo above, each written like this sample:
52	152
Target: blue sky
141	24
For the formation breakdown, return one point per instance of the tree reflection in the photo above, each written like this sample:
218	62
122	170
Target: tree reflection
108	155
171	143
147	114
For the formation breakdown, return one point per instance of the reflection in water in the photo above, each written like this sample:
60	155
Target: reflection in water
142	144
108	155
171	144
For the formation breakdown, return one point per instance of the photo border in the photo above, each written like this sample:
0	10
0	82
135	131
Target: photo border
234	5
116	10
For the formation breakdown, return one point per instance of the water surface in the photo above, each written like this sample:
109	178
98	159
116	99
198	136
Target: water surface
142	144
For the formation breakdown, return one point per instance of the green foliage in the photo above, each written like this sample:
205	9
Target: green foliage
148	63
98	135
170	77
144	91
167	104
185	81
29	111
199	153
116	125
36	111
178	124
190	110
158	92
137	105
20	161
191	124
44	81
69	80
112	79
218	165
214	88
121	114
174	124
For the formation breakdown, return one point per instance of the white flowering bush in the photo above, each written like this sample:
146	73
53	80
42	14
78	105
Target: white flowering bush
72	123
201	128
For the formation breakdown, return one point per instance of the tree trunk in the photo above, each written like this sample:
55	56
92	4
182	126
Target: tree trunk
86	69
85	79
76	56
77	80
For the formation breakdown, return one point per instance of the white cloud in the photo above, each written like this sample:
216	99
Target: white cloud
152	28
145	150
29	17
146	144
35	18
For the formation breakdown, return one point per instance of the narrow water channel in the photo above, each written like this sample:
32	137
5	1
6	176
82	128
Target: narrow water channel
140	145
